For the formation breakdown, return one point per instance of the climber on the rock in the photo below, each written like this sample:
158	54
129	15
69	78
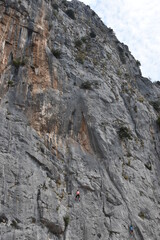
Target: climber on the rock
77	195
131	229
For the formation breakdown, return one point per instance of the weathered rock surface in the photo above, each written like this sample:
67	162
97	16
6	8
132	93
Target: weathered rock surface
75	112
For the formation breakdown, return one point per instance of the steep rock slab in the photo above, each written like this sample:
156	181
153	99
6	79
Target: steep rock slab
75	113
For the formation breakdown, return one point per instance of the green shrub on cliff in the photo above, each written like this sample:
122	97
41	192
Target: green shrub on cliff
56	52
80	57
70	14
156	105
10	83
78	43
18	62
124	133
66	220
158	121
86	85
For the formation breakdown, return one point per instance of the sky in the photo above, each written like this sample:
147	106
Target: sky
136	23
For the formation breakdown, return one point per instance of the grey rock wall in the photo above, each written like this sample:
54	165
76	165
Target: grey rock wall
75	113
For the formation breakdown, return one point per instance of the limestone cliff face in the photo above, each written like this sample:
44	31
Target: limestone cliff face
75	112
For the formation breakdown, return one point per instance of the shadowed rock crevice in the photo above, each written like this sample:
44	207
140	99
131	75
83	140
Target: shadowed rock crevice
52	227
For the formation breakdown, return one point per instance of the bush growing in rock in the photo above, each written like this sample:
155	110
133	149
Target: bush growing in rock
58	181
56	53
14	224
57	208
156	105
18	62
33	220
119	72
122	57
55	6
158	121
124	133
110	30
3	218
10	83
141	215
138	63
66	220
84	39
141	99
135	108
109	56
125	176
92	34
65	3
158	82
128	163
86	85
80	57
70	14
93	13
99	235
78	43
121	53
